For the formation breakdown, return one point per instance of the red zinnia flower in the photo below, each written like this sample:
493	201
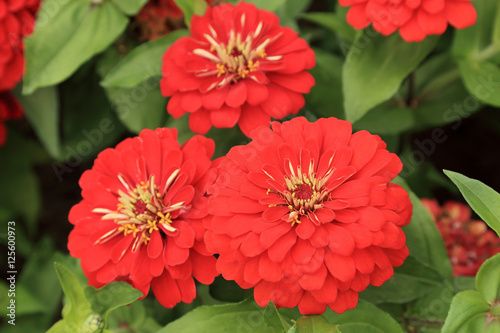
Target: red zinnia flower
17	18
415	19
9	109
238	66
305	214
140	217
468	242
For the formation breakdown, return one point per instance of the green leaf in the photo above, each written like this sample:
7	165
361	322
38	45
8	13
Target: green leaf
228	291
77	308
482	80
271	5
465	307
487	279
245	316
110	297
313	324
386	120
273	319
130	7
42	110
89	124
483	199
410	281
190	8
325	97
366	318
423	238
75	32
141	63
140	107
375	68
333	22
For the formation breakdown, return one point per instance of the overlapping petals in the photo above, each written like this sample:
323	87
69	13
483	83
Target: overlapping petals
414	19
305	214
140	217
17	18
239	66
469	242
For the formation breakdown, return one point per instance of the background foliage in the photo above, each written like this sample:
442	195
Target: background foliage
90	83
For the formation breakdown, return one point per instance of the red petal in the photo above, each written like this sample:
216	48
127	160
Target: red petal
225	117
308	305
199	121
460	14
155	245
237	94
356	16
251	118
340	240
270	270
174	255
166	290
341	267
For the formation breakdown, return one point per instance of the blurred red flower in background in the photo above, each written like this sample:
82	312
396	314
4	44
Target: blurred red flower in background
154	19
305	214
238	66
415	19
140	217
17	19
468	242
9	109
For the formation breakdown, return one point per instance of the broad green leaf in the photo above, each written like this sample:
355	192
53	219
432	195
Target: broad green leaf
270	5
89	124
386	120
39	267
274	319
77	308
496	29
446	105
483	199
190	8
423	238
465	306
470	42
75	32
42	110
130	7
290	10
245	317
228	291
141	63
325	98
334	22
482	80
434	305
366	318
410	281
110	297
375	68
313	324
488	279
140	107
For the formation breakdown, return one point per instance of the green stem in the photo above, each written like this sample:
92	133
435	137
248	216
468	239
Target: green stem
486	54
439	83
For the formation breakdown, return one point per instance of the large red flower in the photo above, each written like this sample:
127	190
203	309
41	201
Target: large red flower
140	217
468	242
9	109
238	66
17	18
305	214
415	19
